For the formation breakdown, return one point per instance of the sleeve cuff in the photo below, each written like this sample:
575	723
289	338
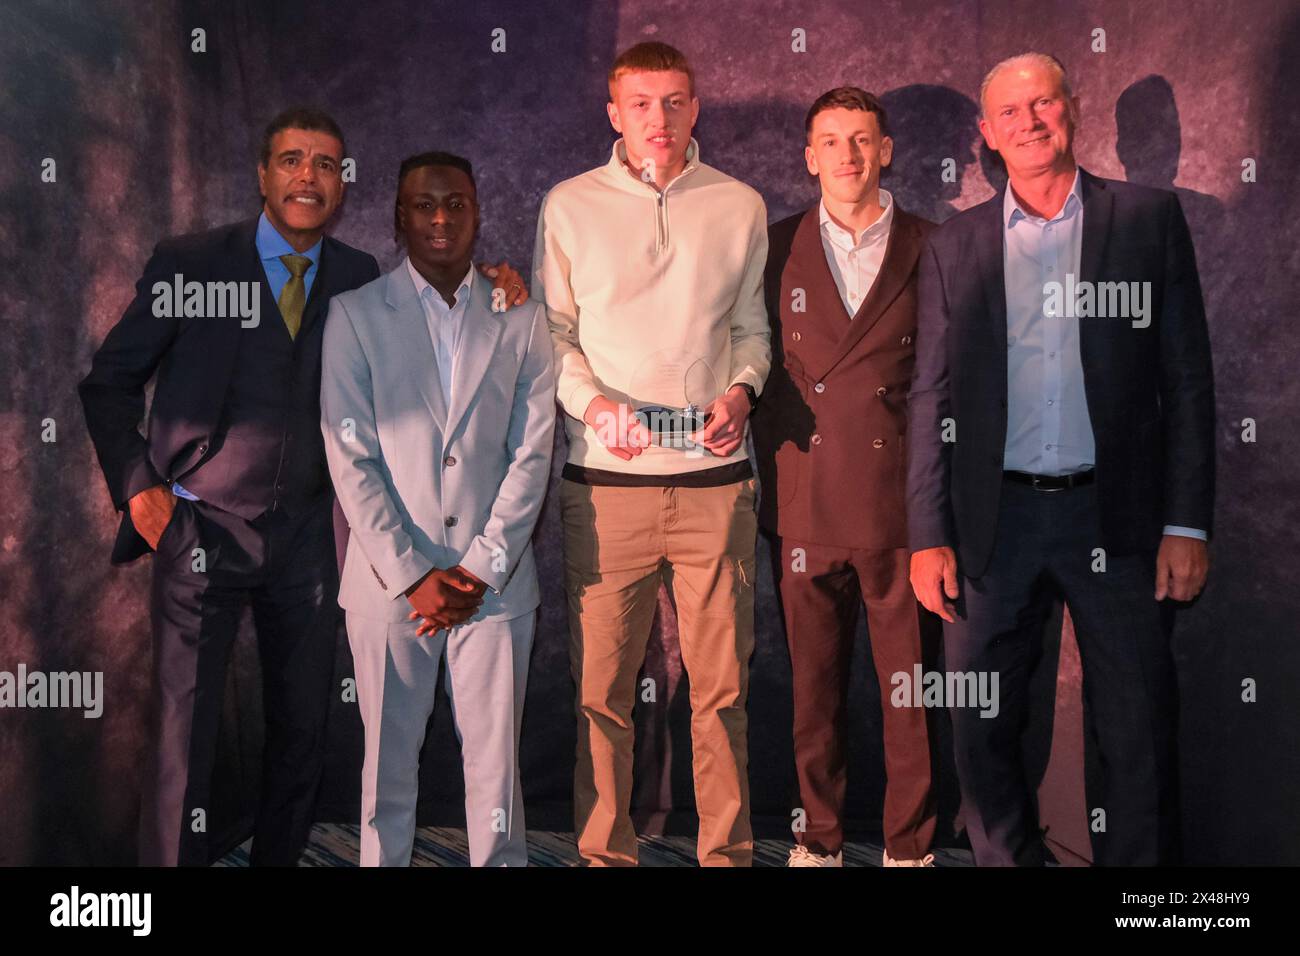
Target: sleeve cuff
411	570
141	477
747	376
478	561
579	399
1182	532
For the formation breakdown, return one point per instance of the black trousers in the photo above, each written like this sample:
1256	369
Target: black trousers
1046	540
285	568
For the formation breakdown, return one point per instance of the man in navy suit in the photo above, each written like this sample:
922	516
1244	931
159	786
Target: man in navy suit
1062	440
230	489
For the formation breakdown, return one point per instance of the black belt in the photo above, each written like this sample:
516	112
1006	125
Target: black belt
1051	482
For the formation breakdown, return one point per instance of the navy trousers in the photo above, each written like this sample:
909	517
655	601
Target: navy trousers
1046	542
284	567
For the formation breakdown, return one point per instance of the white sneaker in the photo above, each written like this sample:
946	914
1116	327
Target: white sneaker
927	860
802	856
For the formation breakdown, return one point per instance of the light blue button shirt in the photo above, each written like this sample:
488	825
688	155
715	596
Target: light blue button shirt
1049	431
270	246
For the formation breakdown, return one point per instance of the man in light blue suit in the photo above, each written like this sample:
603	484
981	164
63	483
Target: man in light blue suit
438	408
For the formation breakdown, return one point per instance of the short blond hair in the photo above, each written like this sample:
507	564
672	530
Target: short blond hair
1045	60
650	57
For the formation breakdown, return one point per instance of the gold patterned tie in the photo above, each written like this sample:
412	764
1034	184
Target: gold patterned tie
293	297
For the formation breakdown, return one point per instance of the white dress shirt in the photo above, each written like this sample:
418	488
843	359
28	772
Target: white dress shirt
855	263
444	322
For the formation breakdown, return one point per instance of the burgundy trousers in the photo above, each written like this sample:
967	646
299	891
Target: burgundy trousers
822	589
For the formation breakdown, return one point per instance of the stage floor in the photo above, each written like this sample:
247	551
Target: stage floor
335	844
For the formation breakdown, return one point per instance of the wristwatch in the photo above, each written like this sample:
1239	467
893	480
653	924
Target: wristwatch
752	395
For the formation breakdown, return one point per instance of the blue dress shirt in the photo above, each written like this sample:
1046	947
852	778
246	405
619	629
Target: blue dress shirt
271	246
1049	431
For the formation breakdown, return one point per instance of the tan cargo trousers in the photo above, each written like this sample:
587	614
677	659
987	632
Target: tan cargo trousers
619	543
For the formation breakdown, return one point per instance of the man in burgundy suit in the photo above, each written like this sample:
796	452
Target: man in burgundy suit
830	433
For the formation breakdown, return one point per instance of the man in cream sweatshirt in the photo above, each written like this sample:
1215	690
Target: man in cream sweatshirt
651	269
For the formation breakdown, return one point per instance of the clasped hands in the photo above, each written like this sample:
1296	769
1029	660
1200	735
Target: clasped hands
444	598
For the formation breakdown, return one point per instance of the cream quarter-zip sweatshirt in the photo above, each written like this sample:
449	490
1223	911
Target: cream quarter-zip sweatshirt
653	298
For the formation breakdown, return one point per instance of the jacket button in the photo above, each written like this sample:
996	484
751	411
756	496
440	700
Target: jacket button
906	340
796	336
881	391
878	443
817	439
449	461
451	521
819	388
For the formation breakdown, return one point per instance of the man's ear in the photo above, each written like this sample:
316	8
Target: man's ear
810	160
261	179
612	109
886	151
986	130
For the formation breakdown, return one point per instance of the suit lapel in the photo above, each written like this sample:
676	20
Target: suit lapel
1098	205
989	241
901	252
807	269
479	333
250	268
410	332
247	267
823	321
810	255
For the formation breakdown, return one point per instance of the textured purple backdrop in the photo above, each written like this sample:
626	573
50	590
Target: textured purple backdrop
151	138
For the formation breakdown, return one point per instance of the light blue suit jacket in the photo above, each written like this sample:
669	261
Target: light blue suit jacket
424	485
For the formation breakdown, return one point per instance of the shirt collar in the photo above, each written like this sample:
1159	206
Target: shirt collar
272	245
1012	210
843	237
618	158
422	284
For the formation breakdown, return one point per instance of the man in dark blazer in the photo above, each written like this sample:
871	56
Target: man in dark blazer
1062	414
829	434
230	489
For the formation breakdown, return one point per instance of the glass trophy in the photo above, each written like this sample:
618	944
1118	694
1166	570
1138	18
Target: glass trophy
669	391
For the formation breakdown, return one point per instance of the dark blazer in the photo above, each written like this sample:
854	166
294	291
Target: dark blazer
193	358
1150	391
830	429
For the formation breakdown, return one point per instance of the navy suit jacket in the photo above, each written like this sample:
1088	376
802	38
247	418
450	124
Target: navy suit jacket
193	359
1150	391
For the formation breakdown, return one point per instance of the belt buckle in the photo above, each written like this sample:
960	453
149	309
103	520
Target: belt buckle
1037	487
